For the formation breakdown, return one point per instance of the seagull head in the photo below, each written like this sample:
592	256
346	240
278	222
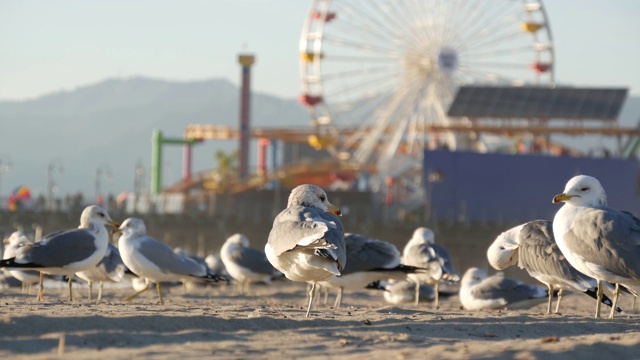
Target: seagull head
582	190
423	235
96	215
473	276
504	250
312	196
239	239
133	226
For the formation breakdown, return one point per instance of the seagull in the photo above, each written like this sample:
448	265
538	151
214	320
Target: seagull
67	252
215	264
110	268
479	291
26	277
533	247
599	241
368	260
401	291
421	251
306	242
151	259
245	264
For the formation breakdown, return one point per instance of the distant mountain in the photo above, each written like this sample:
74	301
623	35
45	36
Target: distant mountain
111	123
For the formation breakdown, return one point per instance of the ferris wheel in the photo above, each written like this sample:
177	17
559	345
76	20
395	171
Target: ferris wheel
377	73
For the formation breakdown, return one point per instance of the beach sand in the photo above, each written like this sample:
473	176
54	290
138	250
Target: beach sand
270	324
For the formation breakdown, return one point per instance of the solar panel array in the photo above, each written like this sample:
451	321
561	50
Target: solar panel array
538	102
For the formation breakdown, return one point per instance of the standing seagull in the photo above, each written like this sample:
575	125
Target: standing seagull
110	268
151	259
67	251
599	241
306	242
245	264
479	291
423	252
13	242
368	260
533	247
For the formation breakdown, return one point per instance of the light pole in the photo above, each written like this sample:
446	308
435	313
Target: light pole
104	170
138	181
55	166
5	167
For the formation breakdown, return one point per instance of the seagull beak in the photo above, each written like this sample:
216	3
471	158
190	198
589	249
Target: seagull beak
6	240
562	197
334	209
113	223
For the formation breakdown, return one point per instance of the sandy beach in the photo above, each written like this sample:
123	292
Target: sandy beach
219	323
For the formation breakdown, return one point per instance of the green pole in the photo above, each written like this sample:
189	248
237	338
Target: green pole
156	162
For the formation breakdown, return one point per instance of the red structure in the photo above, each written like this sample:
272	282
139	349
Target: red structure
246	61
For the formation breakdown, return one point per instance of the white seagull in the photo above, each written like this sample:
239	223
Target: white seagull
13	242
306	242
67	252
245	264
599	241
155	261
479	291
532	247
110	268
422	251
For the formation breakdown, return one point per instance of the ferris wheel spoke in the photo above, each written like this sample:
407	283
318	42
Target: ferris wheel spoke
496	39
352	88
359	72
360	59
408	22
495	29
490	76
359	45
498	52
414	17
372	27
486	21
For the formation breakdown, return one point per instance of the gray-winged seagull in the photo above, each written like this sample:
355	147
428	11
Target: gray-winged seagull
532	247
597	240
154	260
423	252
67	251
479	291
110	269
13	242
368	260
306	242
245	264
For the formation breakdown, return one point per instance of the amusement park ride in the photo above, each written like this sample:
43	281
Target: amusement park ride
379	82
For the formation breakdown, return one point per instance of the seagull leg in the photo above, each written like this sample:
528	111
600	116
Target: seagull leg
616	292
132	296
598	299
560	294
159	288
41	288
100	291
338	298
90	290
417	300
550	301
311	294
325	290
437	290
70	283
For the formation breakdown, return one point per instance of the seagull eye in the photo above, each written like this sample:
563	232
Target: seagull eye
322	198
101	214
586	188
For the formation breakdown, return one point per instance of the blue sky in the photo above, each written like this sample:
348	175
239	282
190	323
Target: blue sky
48	46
